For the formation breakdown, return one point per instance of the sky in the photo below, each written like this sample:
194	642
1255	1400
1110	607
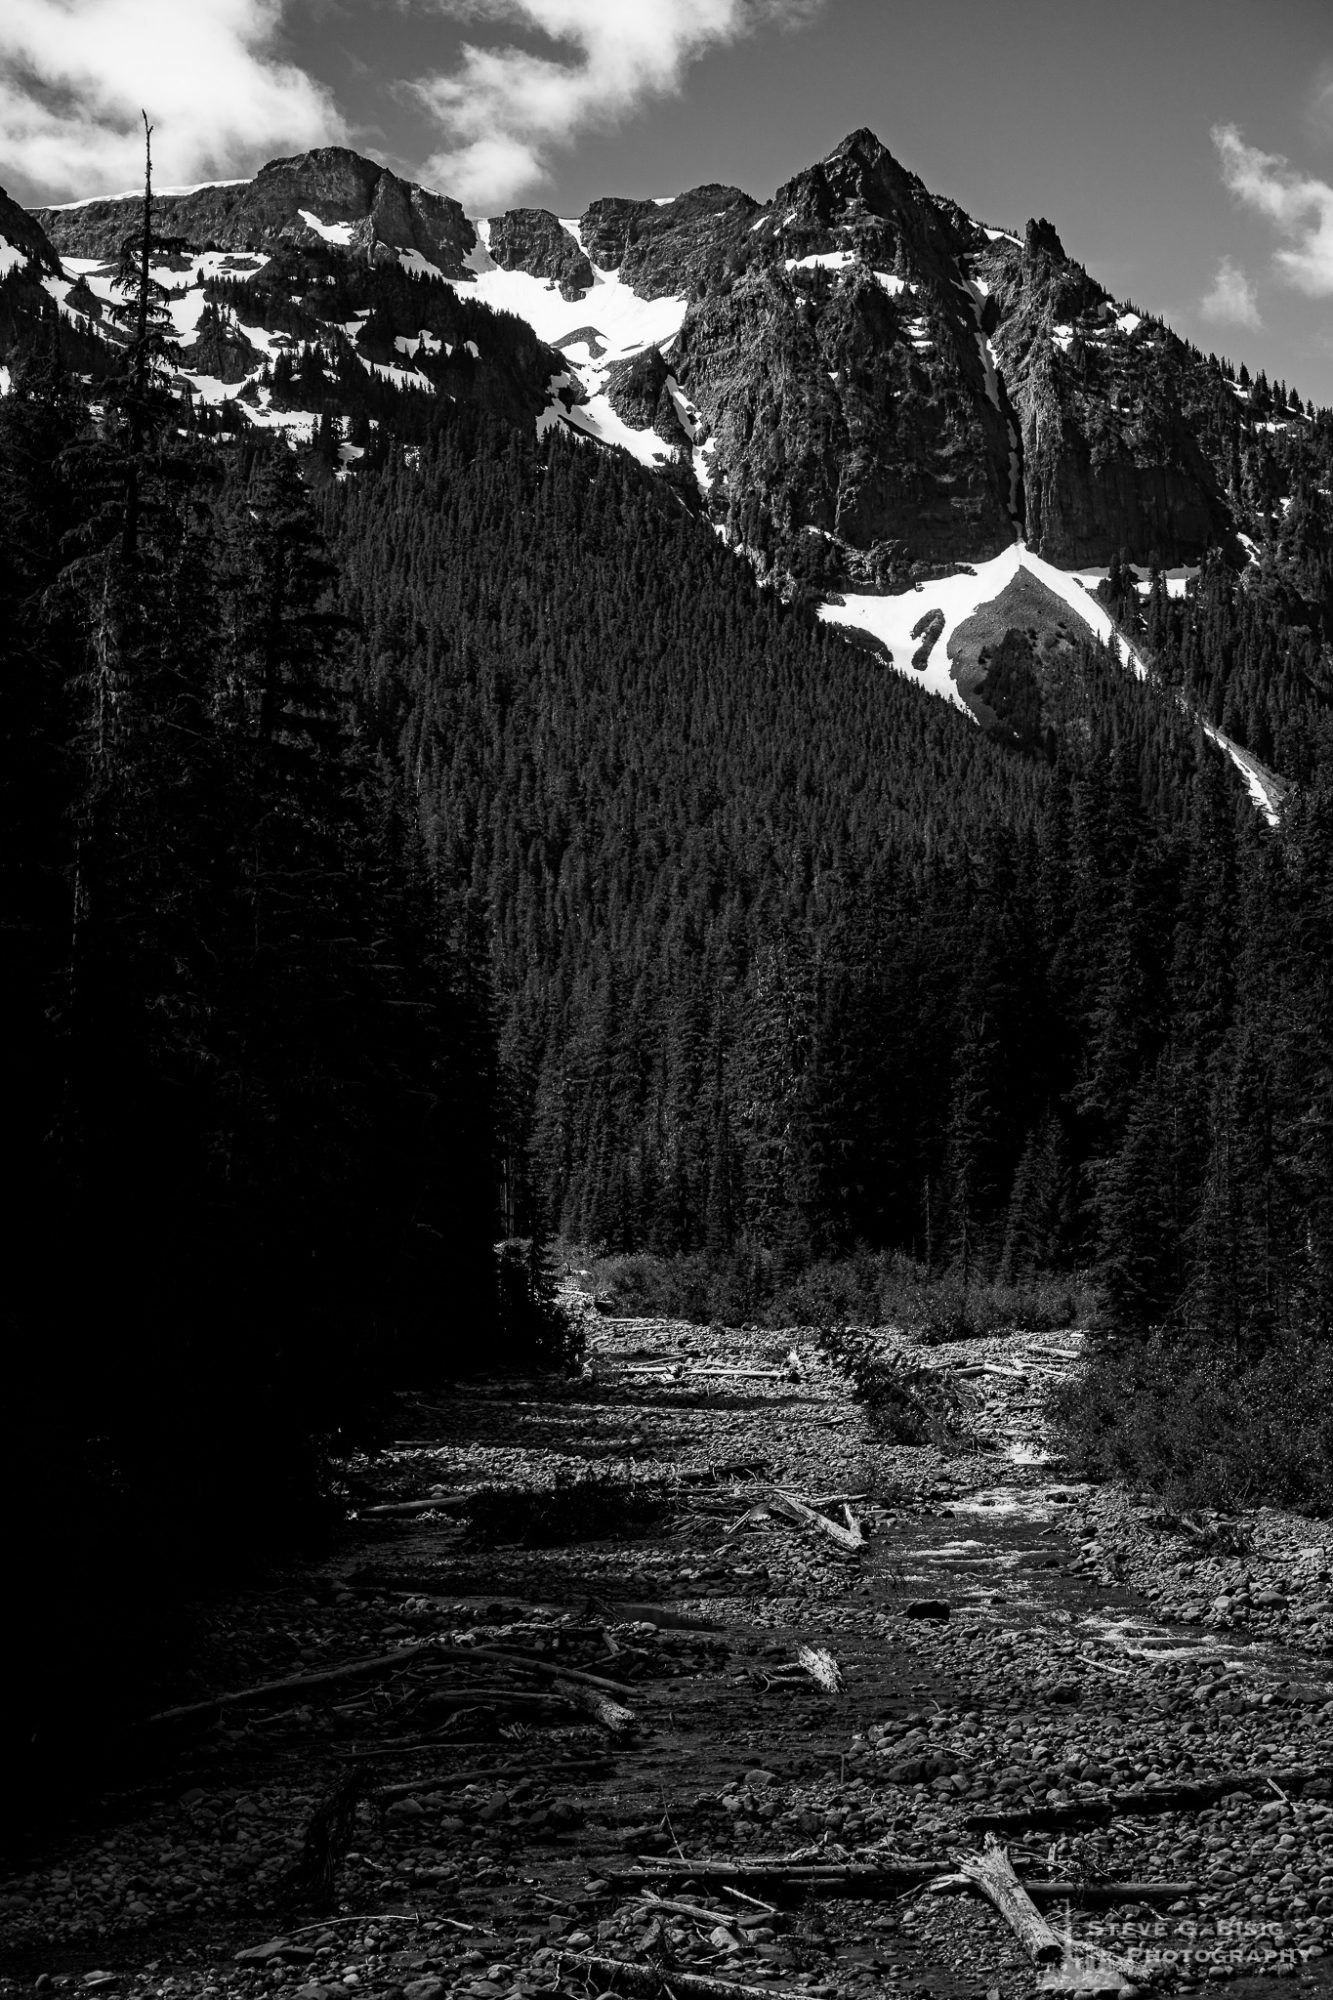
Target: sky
1182	148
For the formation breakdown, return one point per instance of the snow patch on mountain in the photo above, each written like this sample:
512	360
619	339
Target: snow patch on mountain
890	621
1177	581
10	257
597	419
136	194
419	266
1264	788
337	233
822	260
613	323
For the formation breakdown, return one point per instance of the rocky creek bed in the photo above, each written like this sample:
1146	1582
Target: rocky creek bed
1122	1695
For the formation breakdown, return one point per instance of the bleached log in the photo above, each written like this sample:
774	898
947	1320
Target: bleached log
612	1715
821	1666
850	1540
997	1881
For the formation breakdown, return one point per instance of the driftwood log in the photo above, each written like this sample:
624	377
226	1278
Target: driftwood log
1144	1801
296	1686
866	1878
997	1881
849	1539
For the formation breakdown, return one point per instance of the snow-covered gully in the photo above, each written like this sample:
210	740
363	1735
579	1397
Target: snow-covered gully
1137	1705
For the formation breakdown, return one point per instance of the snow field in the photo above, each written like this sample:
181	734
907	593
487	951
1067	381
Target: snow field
621	323
890	620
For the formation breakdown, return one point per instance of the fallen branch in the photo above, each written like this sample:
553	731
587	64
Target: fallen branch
1095	1894
545	1669
296	1686
454	1503
612	1715
760	1513
849	1539
1144	1802
992	1874
774	1868
863	1877
697	1911
650	1981
1104	1667
746	1374
489	1696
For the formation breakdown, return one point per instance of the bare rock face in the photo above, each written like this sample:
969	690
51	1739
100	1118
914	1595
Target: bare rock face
333	185
847	402
220	349
639	394
1111	407
681	248
534	240
24	232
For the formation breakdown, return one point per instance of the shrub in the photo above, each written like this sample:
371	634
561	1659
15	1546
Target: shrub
533	1328
906	1404
1203	1427
870	1288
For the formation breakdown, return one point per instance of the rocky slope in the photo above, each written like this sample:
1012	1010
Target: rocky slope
1009	1659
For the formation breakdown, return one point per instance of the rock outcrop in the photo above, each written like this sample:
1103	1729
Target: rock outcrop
534	240
300	200
1109	405
24	233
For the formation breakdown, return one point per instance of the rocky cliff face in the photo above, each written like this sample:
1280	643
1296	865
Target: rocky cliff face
296	200
24	233
856	437
534	240
1108	404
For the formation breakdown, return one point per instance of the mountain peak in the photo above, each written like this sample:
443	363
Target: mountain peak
862	141
1041	240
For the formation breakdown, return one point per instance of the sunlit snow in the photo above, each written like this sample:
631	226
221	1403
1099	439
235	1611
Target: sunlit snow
612	319
136	194
339	233
890	620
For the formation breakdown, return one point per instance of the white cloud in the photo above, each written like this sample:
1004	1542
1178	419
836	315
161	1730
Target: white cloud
1300	207
504	109
74	73
1231	298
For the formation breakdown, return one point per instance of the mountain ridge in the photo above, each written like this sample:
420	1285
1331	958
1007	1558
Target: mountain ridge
863	387
937	383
